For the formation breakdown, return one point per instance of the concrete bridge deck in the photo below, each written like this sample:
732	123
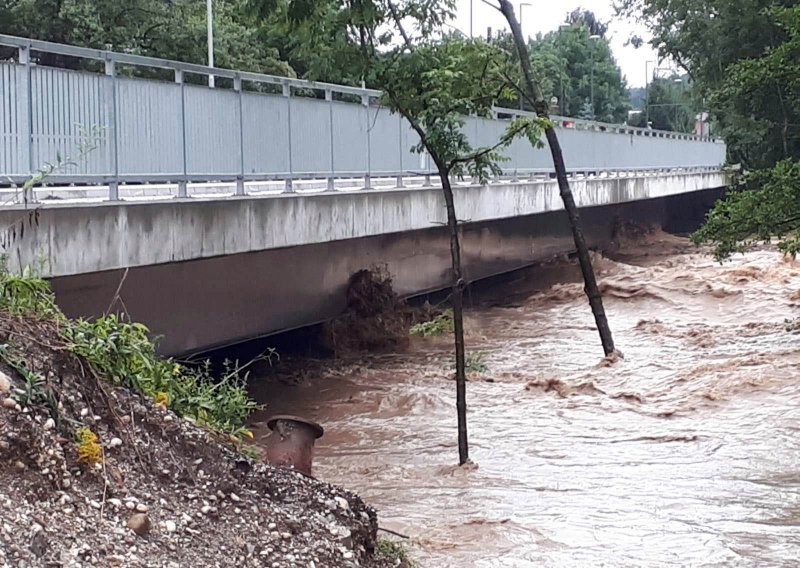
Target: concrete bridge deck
206	272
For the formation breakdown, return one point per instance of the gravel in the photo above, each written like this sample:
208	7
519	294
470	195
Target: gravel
167	493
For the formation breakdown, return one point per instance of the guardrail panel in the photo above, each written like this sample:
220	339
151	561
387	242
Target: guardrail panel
266	133
350	137
12	140
152	130
69	111
311	136
385	146
212	131
149	126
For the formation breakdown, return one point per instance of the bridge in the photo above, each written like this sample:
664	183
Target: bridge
221	214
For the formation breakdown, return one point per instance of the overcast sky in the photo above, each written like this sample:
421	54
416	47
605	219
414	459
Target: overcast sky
546	15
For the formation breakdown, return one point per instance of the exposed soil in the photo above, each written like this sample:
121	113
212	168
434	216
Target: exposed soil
164	493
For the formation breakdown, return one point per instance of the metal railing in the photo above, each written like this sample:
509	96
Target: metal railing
157	131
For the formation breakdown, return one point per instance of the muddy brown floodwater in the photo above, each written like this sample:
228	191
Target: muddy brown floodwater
685	453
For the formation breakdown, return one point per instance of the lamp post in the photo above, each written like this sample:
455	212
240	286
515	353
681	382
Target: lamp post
647	104
593	38
647	93
210	23
471	13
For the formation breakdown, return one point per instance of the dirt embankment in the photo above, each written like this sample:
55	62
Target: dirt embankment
96	475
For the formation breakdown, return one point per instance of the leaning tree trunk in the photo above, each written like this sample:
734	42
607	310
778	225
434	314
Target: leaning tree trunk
458	317
590	282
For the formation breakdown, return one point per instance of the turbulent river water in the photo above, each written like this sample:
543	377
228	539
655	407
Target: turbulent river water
684	453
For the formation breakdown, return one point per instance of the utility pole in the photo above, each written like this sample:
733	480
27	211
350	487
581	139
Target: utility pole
210	22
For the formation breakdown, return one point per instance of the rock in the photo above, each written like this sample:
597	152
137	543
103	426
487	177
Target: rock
19	466
235	498
116	560
342	503
5	383
116	503
139	523
115	442
142	508
49	424
9	403
170	526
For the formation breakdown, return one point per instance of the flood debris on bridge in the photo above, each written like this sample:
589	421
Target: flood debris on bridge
93	473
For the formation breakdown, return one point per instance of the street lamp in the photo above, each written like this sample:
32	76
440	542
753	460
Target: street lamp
210	23
594	38
647	88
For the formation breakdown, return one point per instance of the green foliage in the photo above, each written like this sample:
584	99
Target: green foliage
394	551
124	354
27	294
567	63
672	105
476	362
762	94
765	204
172	30
436	85
438	326
742	57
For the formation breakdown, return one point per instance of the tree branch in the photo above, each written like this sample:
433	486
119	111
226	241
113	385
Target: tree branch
402	30
505	141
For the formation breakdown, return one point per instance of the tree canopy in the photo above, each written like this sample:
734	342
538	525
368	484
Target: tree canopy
709	39
744	58
159	28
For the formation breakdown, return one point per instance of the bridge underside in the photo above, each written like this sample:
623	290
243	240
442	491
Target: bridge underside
201	304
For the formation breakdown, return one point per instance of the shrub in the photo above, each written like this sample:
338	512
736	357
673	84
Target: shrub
395	551
123	353
440	325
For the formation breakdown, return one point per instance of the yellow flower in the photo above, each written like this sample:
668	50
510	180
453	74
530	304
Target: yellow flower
89	449
162	399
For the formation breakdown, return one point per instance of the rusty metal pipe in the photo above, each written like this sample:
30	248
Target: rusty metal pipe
291	443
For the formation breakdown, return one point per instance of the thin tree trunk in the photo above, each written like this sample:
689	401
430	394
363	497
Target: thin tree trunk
534	92
458	317
458	279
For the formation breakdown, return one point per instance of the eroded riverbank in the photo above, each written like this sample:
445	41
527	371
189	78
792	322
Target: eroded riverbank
684	453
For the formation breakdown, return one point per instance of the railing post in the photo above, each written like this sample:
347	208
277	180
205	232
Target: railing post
237	86
400	147
287	92
111	111
182	189
332	176
368	175
25	117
